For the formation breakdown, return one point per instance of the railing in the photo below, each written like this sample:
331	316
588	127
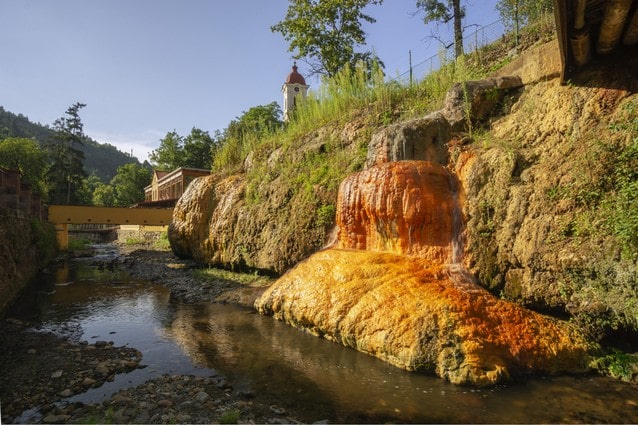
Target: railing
473	42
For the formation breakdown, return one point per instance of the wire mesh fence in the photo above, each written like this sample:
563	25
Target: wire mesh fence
472	42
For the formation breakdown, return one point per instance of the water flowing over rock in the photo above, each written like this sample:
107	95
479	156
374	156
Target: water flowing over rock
403	207
415	311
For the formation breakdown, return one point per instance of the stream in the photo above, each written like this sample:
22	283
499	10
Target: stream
263	355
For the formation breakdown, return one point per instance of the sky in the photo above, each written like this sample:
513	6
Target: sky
148	67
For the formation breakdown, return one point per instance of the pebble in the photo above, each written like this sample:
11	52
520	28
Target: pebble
202	396
164	403
277	410
56	419
87	382
57	374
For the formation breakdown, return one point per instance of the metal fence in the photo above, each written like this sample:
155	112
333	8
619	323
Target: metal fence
481	37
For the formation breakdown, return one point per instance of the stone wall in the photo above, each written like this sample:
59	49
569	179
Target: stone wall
26	245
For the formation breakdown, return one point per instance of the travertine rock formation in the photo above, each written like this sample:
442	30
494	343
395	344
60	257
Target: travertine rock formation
406	207
407	305
420	317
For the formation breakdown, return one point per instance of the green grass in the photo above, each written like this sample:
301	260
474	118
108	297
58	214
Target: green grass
78	244
617	364
247	279
134	241
162	243
229	417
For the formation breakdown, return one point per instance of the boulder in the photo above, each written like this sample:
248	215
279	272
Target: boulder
471	102
422	139
421	317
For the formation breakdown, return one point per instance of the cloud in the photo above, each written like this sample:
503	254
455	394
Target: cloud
140	143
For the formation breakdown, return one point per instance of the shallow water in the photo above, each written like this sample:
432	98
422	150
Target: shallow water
324	379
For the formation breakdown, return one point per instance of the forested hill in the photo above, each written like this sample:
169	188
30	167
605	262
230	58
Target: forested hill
101	159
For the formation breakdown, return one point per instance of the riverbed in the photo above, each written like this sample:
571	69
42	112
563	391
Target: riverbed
200	356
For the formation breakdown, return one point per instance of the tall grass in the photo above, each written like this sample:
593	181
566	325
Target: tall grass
367	92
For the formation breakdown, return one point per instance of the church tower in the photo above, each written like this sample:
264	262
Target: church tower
294	86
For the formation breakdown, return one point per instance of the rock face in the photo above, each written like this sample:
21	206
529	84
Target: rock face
25	247
407	207
414	311
268	223
423	139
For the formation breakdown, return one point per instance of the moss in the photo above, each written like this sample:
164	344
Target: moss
617	364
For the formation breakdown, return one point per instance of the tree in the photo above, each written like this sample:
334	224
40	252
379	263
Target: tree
26	156
198	149
257	121
168	155
518	13
325	33
445	11
104	195
66	173
129	183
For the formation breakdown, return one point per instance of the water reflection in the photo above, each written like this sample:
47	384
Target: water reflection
326	380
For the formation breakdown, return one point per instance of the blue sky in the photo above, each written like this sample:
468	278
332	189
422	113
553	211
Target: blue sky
147	67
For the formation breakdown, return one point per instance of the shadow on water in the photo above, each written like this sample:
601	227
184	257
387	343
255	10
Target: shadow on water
325	379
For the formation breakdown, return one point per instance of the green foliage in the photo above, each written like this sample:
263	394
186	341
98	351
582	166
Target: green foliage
606	292
247	279
621	205
162	243
104	195
134	241
168	155
327	33
445	11
245	133
129	184
617	364
193	151
229	417
66	173
197	150
101	159
517	13
76	244
44	238
26	156
351	89
326	215
125	189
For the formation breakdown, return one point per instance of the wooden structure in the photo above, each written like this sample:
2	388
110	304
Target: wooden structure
64	215
170	186
16	196
593	29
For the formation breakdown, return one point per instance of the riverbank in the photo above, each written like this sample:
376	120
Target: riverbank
40	370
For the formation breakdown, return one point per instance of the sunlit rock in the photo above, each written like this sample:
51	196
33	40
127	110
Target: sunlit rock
394	287
201	224
423	139
420	317
405	207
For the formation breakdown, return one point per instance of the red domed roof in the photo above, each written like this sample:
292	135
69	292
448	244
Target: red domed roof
294	77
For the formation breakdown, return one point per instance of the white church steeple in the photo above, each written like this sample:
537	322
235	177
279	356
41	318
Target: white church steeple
294	86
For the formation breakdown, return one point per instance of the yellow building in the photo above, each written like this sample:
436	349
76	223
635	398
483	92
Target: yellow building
169	186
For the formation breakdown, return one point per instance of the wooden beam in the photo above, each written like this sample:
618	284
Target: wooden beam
68	214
